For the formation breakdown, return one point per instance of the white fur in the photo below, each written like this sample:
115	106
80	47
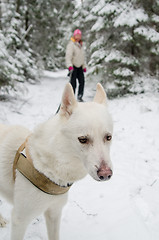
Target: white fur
57	152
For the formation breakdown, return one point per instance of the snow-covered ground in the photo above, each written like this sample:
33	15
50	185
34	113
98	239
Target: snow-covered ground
127	206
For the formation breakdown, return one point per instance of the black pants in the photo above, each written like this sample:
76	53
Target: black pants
78	74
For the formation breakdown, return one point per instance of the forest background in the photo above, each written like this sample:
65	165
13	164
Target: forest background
121	40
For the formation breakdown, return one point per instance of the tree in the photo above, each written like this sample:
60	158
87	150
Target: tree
34	34
18	63
122	38
50	22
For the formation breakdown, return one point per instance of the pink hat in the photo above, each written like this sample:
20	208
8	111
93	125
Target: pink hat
77	31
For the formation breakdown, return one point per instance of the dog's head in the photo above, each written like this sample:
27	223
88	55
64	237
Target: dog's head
88	129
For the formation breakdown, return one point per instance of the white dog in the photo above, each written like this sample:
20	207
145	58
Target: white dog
64	149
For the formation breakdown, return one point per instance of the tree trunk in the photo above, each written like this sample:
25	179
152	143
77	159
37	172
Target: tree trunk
0	15
17	5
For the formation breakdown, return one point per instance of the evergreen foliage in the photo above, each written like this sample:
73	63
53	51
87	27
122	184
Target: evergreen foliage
50	21
121	39
33	36
17	62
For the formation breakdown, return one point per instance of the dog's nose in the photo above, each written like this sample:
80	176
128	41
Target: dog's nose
104	173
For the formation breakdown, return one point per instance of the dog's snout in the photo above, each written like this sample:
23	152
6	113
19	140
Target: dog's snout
104	173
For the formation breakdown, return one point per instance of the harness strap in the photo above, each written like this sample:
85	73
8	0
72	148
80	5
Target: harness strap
25	166
20	149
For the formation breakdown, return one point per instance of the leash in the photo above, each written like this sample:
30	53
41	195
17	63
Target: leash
25	166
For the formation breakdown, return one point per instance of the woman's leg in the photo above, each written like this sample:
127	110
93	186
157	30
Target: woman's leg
81	80
73	78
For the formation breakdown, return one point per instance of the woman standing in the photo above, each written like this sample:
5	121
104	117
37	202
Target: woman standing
75	62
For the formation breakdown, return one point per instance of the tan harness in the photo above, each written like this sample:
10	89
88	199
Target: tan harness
25	166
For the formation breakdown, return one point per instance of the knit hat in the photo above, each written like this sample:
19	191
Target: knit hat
77	31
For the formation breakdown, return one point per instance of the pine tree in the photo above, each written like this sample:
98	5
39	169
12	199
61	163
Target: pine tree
18	64
33	33
122	41
147	38
50	22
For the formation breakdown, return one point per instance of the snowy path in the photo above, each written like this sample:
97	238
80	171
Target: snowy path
126	207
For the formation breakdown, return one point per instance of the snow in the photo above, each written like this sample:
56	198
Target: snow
90	17
123	72
98	6
118	56
97	43
126	14
109	8
98	25
99	54
127	206
130	17
149	33
155	18
155	50
126	37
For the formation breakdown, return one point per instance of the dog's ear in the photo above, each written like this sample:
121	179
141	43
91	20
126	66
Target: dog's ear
68	101
100	96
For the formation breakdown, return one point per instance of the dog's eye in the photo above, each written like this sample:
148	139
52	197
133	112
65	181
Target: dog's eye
108	137
83	140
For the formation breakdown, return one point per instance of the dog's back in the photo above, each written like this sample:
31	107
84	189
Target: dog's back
11	137
3	131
